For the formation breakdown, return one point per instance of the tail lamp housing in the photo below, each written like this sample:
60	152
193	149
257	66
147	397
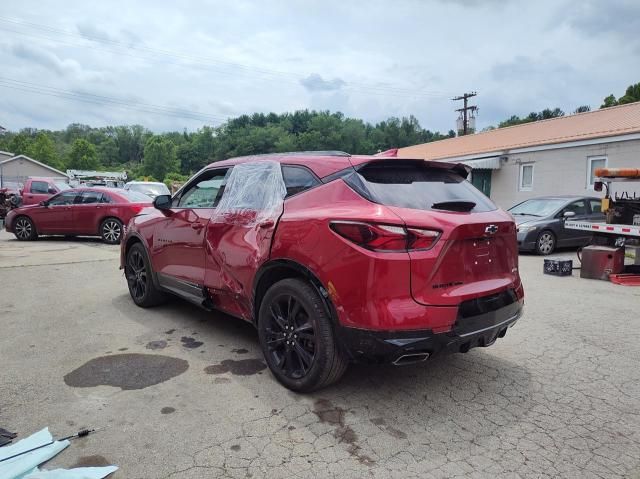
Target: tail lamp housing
386	238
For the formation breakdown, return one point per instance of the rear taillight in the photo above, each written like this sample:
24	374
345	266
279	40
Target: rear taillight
388	238
420	239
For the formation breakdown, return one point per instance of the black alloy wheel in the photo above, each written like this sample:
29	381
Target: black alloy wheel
139	274
290	337
136	273
297	336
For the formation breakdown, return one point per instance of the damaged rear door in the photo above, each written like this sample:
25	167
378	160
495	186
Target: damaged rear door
239	234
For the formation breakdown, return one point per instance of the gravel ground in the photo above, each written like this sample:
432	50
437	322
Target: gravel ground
183	393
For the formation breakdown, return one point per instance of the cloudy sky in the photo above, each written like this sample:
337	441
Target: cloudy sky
170	66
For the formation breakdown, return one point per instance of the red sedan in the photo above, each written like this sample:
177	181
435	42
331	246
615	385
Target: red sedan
79	211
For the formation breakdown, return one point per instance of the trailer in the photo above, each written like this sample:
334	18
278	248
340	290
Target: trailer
604	257
604	228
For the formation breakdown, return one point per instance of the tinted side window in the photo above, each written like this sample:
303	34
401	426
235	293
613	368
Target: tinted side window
90	197
578	207
416	185
106	198
39	187
297	179
596	206
204	192
65	198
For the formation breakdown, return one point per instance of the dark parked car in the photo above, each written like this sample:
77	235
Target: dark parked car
541	220
333	258
79	211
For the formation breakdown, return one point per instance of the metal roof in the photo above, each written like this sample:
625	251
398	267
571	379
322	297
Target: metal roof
607	122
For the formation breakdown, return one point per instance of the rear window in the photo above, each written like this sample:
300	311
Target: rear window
416	185
156	189
134	196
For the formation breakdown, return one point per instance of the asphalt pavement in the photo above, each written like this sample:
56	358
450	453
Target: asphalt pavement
183	393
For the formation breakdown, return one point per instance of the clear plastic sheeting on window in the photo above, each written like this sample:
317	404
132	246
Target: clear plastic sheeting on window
254	193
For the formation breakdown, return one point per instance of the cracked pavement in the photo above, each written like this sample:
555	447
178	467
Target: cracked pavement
559	396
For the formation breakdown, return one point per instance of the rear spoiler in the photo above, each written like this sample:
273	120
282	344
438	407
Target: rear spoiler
391	156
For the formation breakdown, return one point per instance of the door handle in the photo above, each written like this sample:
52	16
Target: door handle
266	224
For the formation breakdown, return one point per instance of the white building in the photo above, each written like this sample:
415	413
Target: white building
17	168
550	157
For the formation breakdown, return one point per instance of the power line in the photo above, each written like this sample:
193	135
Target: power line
267	74
466	129
107	101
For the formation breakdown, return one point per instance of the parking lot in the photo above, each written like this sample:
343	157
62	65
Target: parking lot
182	393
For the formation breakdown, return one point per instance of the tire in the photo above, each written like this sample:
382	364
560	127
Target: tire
297	337
24	229
546	243
139	275
111	231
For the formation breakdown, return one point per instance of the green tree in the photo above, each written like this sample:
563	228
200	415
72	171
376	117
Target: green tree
83	156
43	149
545	114
159	157
19	144
188	158
609	101
174	178
582	109
632	95
108	152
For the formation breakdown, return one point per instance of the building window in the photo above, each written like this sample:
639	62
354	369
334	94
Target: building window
526	177
593	163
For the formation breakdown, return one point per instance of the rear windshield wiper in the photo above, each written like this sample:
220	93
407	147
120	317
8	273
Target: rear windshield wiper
454	205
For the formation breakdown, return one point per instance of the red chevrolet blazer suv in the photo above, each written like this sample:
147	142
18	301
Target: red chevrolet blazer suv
334	258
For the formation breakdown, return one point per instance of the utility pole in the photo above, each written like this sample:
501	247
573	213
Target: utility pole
463	112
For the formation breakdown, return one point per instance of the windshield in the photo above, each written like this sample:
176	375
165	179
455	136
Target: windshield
61	185
539	207
155	189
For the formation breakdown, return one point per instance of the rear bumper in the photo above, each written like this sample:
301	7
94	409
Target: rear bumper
399	347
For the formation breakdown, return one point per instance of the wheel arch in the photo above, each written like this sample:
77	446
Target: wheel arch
128	244
279	269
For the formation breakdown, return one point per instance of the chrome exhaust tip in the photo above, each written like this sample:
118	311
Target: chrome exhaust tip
411	359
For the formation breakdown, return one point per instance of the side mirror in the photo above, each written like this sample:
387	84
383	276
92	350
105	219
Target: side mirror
162	202
44	203
597	186
52	191
569	214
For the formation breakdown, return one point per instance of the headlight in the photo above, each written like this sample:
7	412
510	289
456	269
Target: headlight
526	228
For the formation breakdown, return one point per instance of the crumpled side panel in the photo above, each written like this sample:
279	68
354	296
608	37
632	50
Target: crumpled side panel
254	193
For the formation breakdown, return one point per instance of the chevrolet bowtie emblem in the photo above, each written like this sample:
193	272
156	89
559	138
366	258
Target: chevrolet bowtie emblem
491	230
